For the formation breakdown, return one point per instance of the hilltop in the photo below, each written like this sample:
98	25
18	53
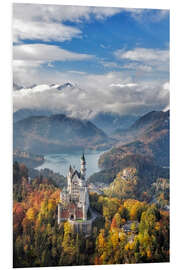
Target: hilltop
148	136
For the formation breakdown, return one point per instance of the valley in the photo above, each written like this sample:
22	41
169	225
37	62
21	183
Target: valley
142	147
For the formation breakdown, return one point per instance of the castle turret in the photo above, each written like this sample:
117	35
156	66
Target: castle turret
70	171
69	176
84	212
83	166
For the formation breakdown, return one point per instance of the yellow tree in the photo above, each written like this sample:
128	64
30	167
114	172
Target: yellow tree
68	246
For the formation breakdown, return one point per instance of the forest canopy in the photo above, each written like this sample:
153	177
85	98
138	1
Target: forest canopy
126	230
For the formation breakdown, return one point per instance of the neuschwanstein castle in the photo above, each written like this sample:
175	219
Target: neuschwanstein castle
74	201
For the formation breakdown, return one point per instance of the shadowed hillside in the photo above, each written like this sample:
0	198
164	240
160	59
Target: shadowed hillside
52	134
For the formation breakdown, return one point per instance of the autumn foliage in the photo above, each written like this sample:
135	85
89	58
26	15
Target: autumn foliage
126	231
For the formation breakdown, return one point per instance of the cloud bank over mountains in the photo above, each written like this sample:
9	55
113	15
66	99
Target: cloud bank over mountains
74	101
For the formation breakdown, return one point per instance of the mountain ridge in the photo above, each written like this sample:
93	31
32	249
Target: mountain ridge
148	145
54	133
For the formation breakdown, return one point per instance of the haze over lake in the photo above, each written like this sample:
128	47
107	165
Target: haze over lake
59	163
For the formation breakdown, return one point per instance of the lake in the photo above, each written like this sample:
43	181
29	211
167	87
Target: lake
59	163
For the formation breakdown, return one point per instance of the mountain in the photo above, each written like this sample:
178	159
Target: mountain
147	151
16	87
55	133
150	119
44	87
149	136
25	113
109	122
65	85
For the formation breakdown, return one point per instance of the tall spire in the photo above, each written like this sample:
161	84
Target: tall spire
70	168
83	159
83	166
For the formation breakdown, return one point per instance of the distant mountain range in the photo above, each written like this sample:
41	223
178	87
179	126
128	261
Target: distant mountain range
41	87
25	113
106	121
57	133
109	122
25	105
148	136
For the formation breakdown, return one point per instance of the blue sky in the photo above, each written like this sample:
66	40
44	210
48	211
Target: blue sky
96	48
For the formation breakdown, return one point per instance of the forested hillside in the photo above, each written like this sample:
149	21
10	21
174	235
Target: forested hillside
126	230
148	136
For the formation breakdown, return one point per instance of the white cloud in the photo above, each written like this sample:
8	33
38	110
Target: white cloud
167	108
46	53
150	15
110	92
165	91
143	55
46	31
102	13
166	86
77	72
29	58
138	67
39	12
109	64
47	22
61	13
123	85
145	58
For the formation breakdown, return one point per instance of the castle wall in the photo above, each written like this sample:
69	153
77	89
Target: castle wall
65	213
84	227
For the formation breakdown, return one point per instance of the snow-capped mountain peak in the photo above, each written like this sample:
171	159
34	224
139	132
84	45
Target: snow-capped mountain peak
44	87
65	85
41	87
